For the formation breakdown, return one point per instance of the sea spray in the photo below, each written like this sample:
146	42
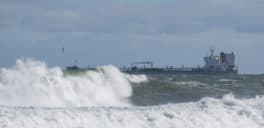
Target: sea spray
32	83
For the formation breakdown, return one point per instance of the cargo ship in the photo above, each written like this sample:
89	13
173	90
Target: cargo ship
224	63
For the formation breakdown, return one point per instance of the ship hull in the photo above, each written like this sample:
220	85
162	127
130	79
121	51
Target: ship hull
196	71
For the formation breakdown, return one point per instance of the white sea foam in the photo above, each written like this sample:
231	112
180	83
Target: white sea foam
136	78
227	80
227	112
32	83
190	83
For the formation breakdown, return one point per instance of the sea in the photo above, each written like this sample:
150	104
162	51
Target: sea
34	95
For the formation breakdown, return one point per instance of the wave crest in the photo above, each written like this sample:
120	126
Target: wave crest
32	83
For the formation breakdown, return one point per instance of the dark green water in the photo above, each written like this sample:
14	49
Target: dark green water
164	89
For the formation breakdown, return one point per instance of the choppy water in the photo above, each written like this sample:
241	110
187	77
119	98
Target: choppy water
33	95
164	89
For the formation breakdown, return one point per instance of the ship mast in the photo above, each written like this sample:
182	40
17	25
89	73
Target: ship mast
212	52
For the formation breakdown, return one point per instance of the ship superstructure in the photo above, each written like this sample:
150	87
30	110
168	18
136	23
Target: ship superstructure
223	63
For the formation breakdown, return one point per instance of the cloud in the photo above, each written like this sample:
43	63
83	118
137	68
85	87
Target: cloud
131	26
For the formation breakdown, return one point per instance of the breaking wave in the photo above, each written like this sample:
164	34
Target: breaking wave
227	112
32	83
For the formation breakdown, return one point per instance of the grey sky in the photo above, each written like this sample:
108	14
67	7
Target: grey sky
122	31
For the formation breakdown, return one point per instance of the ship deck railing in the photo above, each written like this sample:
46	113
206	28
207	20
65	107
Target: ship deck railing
163	69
